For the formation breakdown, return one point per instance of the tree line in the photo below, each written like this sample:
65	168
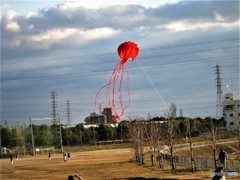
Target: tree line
48	135
156	133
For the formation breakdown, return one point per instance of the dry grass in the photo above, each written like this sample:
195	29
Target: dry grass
207	152
116	164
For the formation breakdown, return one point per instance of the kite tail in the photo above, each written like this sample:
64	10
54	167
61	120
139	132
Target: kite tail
107	86
123	69
117	75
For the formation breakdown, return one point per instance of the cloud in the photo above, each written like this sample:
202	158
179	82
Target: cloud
12	27
10	20
71	14
72	35
218	17
185	26
96	4
69	26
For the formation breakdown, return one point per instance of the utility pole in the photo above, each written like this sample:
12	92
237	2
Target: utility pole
219	110
69	118
60	132
33	148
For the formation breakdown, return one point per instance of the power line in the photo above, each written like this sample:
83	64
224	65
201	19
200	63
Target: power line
96	73
88	56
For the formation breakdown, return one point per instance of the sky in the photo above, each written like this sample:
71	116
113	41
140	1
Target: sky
70	47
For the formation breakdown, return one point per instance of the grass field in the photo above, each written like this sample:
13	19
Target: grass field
100	164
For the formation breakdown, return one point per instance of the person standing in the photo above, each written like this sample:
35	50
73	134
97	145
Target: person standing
65	157
17	157
49	157
223	158
68	156
11	159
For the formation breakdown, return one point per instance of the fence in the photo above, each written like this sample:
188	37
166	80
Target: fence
201	162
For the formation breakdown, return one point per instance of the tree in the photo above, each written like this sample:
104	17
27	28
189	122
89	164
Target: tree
104	132
17	138
42	135
168	134
213	134
55	134
152	134
123	130
183	128
136	136
73	139
193	164
5	137
159	142
236	131
80	129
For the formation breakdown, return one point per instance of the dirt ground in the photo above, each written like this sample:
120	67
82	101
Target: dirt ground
115	164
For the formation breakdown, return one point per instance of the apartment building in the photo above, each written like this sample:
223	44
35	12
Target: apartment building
231	112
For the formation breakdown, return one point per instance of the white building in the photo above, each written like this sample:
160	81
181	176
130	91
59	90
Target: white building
231	112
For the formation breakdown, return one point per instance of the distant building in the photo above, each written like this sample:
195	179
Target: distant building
231	112
105	118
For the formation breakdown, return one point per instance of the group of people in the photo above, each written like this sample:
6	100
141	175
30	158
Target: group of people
65	156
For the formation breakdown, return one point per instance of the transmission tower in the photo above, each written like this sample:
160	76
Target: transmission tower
54	107
219	110
68	113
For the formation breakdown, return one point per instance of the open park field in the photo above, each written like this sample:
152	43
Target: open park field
115	164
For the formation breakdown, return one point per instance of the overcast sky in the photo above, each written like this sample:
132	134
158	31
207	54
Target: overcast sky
70	47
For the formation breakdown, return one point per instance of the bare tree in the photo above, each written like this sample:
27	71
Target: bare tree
193	163
213	135
237	127
136	136
168	134
150	131
159	143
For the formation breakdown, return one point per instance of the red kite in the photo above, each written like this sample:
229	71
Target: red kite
126	51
